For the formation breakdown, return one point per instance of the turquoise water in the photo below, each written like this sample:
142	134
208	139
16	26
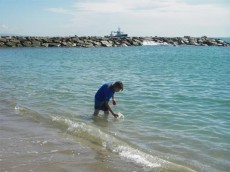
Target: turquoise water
176	100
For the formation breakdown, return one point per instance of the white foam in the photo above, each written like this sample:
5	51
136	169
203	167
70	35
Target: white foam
139	157
120	115
152	43
53	151
32	152
83	130
18	108
115	145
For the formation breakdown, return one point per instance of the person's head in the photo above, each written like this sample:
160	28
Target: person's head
118	86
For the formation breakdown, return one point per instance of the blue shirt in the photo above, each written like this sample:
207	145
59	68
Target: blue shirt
104	93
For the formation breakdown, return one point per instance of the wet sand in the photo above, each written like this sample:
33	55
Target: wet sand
27	145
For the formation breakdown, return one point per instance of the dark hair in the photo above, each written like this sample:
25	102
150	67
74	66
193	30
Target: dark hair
119	84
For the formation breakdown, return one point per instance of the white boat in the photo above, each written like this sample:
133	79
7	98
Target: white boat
118	33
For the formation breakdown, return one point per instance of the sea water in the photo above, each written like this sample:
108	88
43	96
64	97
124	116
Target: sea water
175	102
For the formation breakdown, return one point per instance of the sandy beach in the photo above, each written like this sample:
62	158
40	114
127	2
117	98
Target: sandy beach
27	145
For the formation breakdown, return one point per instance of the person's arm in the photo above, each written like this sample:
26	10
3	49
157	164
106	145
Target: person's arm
109	108
113	100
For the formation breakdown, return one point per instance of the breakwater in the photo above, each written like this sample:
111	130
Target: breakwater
90	42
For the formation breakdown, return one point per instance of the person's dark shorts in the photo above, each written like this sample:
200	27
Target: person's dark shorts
100	105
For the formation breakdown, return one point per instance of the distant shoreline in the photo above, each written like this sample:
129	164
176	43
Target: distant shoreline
96	41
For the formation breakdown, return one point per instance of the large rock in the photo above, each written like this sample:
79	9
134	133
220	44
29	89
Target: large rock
75	40
97	44
56	40
184	41
80	42
209	42
54	44
16	41
44	44
126	43
35	44
2	44
22	39
192	41
90	45
106	44
45	40
26	44
137	42
68	44
3	40
11	44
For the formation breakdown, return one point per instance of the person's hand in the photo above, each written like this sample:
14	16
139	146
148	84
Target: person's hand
115	115
114	102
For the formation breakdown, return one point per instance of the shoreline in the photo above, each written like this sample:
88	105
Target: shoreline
28	144
31	144
96	41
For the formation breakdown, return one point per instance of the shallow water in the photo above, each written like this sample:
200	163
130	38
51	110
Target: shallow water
176	105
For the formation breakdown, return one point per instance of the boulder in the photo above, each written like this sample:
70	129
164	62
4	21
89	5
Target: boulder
11	44
200	41
56	41
44	44
74	44
104	39
123	45
179	41
209	42
185	41
220	44
129	40
2	44
76	40
54	44
21	39
3	39
35	44
220	41
19	45
68	44
106	44
126	43
97	44
137	43
26	44
117	43
89	45
8	37
192	41
45	40
80	42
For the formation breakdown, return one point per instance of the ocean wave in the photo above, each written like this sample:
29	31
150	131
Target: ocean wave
117	146
109	142
105	140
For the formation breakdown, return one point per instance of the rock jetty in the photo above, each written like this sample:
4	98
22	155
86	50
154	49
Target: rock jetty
90	42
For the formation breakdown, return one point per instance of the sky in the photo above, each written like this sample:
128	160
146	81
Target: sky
170	18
